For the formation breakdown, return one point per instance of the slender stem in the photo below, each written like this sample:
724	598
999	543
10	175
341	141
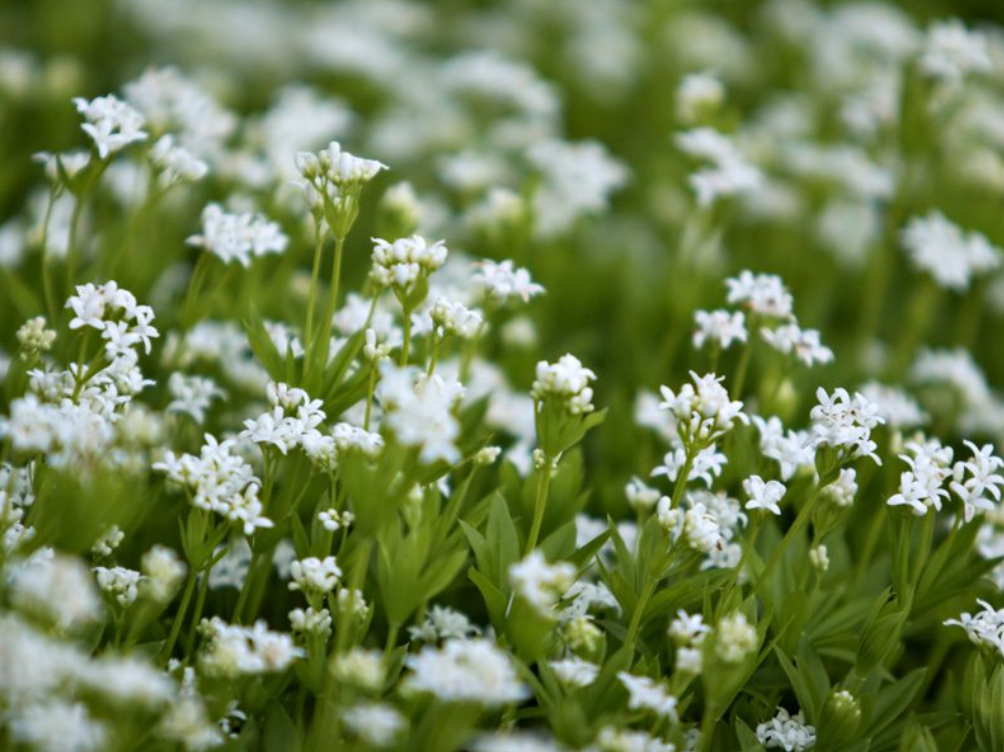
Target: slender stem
407	338
315	275
370	389
72	252
435	353
681	479
200	602
639	611
179	617
744	359
50	297
391	642
324	333
246	587
800	522
750	546
543	483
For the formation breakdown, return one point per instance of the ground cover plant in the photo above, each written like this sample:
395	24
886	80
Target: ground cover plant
578	375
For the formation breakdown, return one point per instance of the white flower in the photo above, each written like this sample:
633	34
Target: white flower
951	51
175	163
119	582
611	739
706	465
820	557
736	638
698	93
703	411
647	694
576	180
337	166
232	650
315	576
843	490
191	395
791	449
567	380
721	327
950	255
419	410
55	588
695	524
451	317
640	496
804	344
111	123
763	294
539	583
58	726
115	313
763	495
443	623
377	724
789	732
504	282
465	671
163	571
311	622
360	668
238	237
845	423
920	488
574	671
978	479
403	263
985	629
730	172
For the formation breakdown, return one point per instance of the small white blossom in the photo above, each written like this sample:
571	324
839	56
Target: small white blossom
763	294
845	423
920	488
951	51
703	410
788	732
111	123
239	237
120	583
736	638
567	380
647	694
315	576
539	583
574	671
763	495
720	327
804	344
377	724
946	252
465	671
977	481
503	281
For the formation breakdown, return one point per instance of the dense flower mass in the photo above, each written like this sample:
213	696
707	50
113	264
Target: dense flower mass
576	376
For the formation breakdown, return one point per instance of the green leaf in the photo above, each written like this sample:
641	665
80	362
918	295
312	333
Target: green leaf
262	345
894	699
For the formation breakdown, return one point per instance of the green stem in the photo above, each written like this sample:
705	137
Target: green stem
246	587
72	251
639	611
681	480
407	338
200	603
744	360
47	284
543	484
324	333
796	527
315	275
179	617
